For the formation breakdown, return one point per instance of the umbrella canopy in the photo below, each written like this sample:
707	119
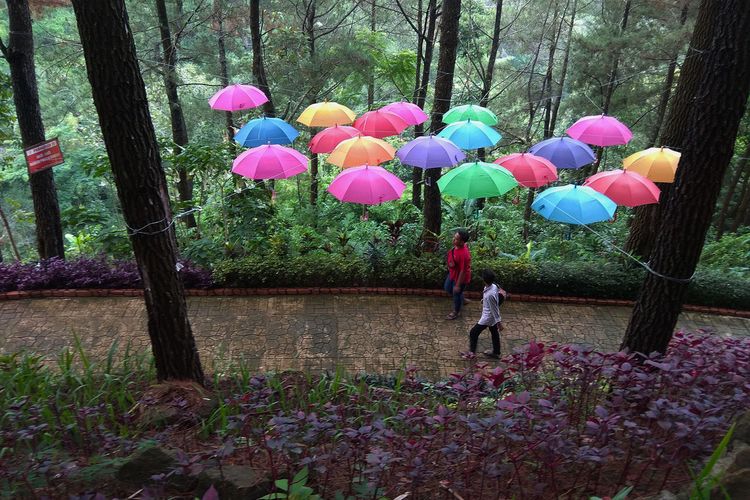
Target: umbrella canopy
470	134
574	205
470	112
237	97
380	124
529	170
361	150
625	188
429	151
411	113
657	164
369	185
600	130
265	131
477	180
269	162
326	114
564	152
326	140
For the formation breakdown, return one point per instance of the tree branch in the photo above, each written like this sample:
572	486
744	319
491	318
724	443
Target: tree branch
3	49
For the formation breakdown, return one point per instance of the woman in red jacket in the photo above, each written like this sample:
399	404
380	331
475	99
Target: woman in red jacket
459	271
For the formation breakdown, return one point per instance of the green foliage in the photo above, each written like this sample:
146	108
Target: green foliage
731	253
706	481
297	489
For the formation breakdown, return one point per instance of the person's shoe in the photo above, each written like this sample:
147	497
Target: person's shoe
452	315
491	354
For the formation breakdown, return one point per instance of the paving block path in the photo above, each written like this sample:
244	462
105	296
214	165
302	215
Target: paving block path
373	333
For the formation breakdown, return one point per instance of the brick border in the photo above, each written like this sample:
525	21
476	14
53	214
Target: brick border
421	292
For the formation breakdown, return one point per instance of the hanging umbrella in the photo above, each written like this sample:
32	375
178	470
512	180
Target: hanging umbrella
574	205
625	188
237	97
564	152
326	114
380	124
265	131
600	130
529	170
470	112
430	152
477	180
369	185
361	150
269	162
657	164
470	134
411	113
327	139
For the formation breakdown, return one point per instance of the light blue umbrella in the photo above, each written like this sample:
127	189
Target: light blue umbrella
574	204
470	134
262	131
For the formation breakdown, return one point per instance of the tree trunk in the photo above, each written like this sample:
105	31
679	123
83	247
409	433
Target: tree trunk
742	210
20	56
612	80
259	69
563	71
739	170
532	102
527	214
314	178
223	68
121	103
371	75
179	127
451	12
549	82
12	240
709	103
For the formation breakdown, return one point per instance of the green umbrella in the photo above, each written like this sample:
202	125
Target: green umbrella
477	180
470	112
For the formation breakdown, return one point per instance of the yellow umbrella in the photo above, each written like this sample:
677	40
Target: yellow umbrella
362	150
326	114
657	164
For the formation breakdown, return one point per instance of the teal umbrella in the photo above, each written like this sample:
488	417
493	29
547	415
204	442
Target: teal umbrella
470	134
477	180
574	205
470	112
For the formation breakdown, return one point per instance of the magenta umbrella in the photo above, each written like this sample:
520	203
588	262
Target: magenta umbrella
530	171
327	139
380	124
237	97
411	113
600	130
369	185
270	162
624	187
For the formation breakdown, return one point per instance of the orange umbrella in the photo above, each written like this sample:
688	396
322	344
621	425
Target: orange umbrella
362	150
326	114
657	164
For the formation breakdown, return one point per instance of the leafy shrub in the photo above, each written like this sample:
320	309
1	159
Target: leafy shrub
732	252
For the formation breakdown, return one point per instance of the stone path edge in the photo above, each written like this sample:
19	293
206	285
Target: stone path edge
244	292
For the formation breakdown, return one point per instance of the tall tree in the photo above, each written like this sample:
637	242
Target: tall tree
179	127
120	99
259	67
218	15
742	166
555	100
20	56
710	100
450	13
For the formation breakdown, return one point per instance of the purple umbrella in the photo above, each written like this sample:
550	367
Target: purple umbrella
430	152
564	152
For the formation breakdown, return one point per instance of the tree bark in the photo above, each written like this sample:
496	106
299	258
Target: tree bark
742	210
121	103
371	75
739	170
179	127
12	240
709	103
259	69
451	12
563	71
223	68
20	56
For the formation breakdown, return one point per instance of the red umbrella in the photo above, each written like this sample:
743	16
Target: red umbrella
529	170
624	187
380	124
327	139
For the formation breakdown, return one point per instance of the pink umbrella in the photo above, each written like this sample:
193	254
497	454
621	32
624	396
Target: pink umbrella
529	170
237	97
624	187
270	162
327	139
411	113
600	130
367	184
380	124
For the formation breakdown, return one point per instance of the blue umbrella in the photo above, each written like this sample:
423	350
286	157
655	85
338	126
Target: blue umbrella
470	134
430	152
574	205
262	131
564	152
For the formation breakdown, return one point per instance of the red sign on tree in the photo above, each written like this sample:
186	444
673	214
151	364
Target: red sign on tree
43	155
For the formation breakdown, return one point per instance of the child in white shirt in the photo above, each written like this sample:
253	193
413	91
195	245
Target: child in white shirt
492	297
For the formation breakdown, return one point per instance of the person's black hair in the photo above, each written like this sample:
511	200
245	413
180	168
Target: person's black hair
488	276
463	234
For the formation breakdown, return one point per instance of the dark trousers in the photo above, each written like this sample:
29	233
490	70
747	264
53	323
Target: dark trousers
474	337
458	298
